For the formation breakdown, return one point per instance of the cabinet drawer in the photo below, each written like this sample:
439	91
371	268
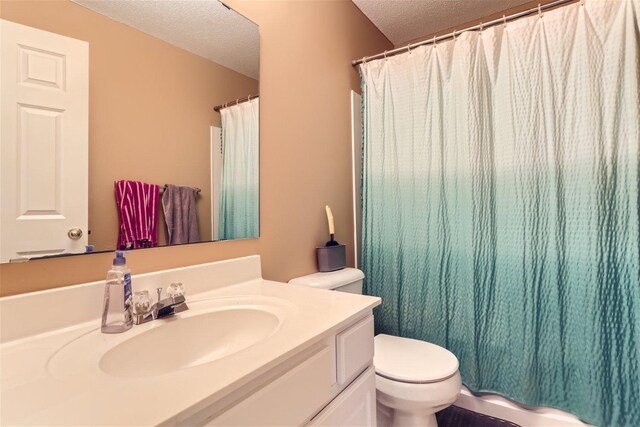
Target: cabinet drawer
354	350
355	406
289	400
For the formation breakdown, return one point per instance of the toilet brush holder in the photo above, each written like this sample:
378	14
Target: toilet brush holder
331	258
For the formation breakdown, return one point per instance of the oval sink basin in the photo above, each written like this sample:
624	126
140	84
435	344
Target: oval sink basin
188	342
212	329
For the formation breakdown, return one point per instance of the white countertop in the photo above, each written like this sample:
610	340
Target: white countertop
31	394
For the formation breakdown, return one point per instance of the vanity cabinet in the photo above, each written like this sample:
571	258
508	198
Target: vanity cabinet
355	406
332	383
248	351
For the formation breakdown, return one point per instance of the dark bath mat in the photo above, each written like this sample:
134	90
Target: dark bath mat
454	416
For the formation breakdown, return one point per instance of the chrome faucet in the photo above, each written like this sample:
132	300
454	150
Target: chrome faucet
162	308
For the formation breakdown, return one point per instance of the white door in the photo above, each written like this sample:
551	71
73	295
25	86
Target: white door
44	86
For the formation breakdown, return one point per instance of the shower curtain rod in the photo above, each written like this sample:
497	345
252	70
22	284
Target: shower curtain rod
217	108
481	26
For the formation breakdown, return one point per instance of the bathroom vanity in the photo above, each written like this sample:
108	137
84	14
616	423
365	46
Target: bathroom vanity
247	352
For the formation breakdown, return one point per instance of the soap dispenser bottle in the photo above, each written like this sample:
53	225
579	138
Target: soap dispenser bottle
116	311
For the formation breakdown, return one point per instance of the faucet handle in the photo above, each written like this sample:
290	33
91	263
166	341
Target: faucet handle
175	290
142	302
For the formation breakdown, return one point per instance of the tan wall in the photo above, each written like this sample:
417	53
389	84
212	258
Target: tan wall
306	49
150	109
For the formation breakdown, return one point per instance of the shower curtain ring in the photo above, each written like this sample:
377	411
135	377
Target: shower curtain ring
409	48
539	10
454	34
504	21
434	42
385	55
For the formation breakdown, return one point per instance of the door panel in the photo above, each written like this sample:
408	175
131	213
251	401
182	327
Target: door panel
44	142
38	180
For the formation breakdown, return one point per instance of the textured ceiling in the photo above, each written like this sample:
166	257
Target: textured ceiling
404	20
204	27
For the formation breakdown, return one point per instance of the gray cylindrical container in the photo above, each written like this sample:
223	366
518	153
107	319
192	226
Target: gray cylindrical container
331	258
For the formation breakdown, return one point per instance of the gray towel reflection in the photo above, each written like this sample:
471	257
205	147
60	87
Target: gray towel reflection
180	214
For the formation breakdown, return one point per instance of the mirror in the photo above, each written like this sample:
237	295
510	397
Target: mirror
109	136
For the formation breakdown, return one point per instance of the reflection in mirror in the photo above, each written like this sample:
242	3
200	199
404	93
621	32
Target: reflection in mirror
239	196
110	138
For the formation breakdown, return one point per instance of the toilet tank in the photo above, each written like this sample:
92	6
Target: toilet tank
345	280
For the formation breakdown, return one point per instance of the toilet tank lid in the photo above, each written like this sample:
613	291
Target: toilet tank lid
330	280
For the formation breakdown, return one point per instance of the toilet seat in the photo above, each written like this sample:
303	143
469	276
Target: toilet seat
412	361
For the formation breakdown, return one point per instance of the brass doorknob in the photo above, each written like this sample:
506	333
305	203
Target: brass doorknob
75	233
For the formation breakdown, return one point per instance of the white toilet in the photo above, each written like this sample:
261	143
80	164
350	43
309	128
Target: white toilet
414	379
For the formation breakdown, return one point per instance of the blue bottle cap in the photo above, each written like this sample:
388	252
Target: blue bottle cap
119	259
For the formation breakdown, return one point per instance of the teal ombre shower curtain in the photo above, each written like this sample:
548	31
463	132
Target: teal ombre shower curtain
239	194
500	205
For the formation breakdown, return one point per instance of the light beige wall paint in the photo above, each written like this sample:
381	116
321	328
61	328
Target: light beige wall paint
305	79
150	109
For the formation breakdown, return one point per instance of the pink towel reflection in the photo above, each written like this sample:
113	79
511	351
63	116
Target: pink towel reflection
138	214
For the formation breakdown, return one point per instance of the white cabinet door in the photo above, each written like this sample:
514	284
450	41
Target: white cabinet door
354	350
355	406
290	400
44	142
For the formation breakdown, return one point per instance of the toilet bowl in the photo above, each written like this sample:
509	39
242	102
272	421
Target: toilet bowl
414	379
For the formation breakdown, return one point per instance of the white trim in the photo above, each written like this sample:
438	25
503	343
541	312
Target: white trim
356	168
